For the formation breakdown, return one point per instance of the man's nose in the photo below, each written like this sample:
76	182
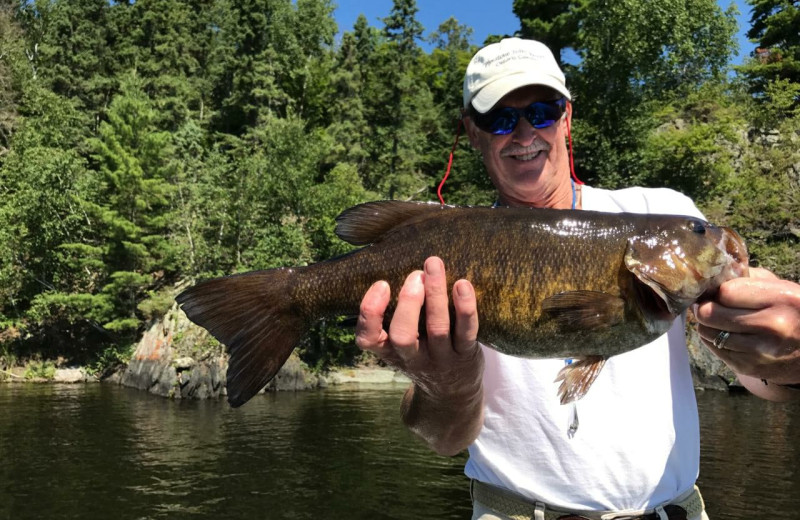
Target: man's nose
524	133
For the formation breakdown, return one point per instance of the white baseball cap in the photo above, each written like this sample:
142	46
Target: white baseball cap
507	65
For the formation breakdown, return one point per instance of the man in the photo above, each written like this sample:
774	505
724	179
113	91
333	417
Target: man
637	449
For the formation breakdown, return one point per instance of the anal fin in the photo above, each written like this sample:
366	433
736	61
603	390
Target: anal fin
577	377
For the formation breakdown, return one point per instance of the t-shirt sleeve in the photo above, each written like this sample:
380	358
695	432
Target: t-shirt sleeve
660	201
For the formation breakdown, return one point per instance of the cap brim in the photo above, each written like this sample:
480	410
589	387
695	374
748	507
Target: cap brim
489	95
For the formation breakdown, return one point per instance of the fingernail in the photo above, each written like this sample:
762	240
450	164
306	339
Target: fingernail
433	266
381	286
463	290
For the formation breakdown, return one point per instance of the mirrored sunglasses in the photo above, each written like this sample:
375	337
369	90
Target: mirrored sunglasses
502	121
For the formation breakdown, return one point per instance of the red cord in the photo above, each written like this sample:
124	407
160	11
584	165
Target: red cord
571	160
449	163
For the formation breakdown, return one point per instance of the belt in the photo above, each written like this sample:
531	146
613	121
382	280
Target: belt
516	507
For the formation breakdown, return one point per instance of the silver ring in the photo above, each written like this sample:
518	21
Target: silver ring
721	338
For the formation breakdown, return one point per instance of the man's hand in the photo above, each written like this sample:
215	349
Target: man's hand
444	405
762	314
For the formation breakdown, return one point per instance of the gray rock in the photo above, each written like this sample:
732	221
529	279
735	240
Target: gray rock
293	376
183	363
69	375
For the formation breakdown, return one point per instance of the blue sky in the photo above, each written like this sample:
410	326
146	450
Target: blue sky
499	19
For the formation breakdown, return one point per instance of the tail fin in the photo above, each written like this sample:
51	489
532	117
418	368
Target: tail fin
252	314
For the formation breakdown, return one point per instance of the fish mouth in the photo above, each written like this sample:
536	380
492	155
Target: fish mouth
734	246
653	305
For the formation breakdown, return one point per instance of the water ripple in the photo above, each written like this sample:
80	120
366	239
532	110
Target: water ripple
98	451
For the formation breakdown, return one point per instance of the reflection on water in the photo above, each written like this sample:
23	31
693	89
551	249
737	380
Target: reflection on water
750	457
100	451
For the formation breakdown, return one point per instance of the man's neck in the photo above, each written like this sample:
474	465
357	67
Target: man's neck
560	198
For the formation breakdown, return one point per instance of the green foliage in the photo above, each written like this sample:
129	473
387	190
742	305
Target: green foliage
108	358
12	74
623	78
778	103
38	369
146	143
341	189
330	344
556	24
694	148
775	25
50	308
762	200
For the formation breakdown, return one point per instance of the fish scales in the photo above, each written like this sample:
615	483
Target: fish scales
513	260
548	283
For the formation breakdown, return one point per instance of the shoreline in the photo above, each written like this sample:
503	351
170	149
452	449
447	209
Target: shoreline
176	359
367	375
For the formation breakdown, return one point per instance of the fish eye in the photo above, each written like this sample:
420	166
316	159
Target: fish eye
696	226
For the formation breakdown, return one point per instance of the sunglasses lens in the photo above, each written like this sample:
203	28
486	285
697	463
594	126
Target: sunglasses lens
502	121
543	115
499	122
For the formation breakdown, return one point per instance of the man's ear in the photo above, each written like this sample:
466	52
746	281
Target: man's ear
569	111
470	129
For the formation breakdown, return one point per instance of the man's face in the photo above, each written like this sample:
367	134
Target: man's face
528	165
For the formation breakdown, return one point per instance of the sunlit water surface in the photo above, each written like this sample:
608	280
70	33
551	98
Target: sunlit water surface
100	451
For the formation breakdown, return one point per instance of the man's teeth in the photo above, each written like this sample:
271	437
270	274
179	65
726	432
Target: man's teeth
528	156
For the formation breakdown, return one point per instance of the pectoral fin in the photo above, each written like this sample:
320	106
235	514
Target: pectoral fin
577	377
585	310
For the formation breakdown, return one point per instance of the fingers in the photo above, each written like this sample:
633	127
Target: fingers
441	341
437	311
770	307
759	365
369	328
404	328
720	317
428	288
763	274
739	362
737	342
753	293
466	330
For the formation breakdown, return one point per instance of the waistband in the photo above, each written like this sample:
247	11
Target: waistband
516	507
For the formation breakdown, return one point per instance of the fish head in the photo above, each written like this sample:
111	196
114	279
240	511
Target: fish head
682	260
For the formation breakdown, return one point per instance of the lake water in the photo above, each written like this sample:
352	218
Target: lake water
101	451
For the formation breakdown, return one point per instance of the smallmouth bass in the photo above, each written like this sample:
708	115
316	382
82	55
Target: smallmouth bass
549	283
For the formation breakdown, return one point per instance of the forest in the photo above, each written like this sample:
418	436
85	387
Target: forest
148	144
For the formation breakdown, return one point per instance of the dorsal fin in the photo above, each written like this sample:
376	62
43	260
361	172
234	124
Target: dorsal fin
369	222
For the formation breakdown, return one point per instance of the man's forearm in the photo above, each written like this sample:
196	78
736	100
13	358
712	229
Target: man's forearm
447	426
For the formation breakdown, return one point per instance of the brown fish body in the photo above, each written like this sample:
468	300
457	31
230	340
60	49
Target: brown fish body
549	283
513	258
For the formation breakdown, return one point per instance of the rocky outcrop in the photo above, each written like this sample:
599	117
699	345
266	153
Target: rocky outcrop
177	359
160	367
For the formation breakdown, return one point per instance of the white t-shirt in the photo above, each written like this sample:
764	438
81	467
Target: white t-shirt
638	443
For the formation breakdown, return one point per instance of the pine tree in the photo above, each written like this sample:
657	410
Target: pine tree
131	207
400	107
556	24
774	70
171	39
69	46
348	128
268	54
